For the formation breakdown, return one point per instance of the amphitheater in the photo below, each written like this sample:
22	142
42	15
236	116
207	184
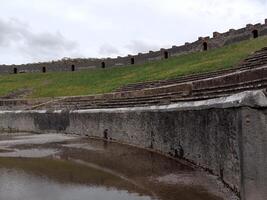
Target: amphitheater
215	120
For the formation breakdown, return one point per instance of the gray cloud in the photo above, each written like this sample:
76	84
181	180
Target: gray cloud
69	28
17	35
141	46
10	32
108	50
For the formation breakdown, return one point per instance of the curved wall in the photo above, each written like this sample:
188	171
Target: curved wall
202	44
226	136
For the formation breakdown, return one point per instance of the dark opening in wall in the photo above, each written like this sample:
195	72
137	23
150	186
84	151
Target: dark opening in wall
221	173
132	61
15	70
166	54
72	68
255	33
103	65
205	46
44	69
105	134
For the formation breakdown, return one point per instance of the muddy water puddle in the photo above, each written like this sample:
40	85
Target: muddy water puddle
54	166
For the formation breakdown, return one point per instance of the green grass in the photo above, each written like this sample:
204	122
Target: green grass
101	81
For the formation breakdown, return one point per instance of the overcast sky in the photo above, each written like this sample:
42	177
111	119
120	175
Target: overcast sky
44	30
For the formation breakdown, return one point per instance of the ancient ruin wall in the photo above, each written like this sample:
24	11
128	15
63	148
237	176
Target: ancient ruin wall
202	44
253	145
226	136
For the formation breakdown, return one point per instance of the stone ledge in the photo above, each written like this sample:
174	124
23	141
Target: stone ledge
253	99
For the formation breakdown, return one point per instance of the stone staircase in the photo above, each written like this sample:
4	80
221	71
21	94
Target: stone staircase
199	90
257	59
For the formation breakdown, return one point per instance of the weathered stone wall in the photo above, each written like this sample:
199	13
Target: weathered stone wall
226	136
254	154
218	40
208	138
239	77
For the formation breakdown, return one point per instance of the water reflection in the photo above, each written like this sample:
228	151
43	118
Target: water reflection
54	166
29	153
17	185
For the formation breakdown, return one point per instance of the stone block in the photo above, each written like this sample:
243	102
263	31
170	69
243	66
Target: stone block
216	34
249	26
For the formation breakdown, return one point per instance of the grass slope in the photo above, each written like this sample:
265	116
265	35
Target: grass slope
100	81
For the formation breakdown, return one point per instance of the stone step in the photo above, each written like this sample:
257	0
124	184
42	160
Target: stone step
258	55
255	64
203	93
185	79
120	105
123	105
134	101
158	96
252	82
230	90
198	98
195	97
202	96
